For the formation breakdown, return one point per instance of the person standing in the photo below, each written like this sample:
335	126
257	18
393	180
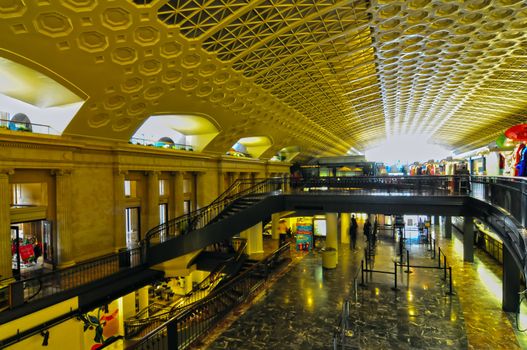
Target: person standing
367	231
353	232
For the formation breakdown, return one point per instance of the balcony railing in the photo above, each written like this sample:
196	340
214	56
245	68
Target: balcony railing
184	329
62	280
161	144
6	124
510	194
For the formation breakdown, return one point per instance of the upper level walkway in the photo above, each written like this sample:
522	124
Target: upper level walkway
497	201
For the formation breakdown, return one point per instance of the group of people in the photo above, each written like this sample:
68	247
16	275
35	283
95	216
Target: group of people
353	231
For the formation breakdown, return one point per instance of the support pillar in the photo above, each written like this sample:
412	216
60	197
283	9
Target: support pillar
178	198
448	227
254	239
207	188
143	298
63	226
275	219
5	224
222	179
119	226
128	305
345	220
511	283
152	206
285	178
468	239
332	231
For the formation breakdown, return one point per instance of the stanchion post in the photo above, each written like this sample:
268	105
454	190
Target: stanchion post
444	265
408	262
362	273
434	256
439	258
450	279
395	275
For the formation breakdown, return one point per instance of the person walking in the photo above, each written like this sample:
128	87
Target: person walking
353	232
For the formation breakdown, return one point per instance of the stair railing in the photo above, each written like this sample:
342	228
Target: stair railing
146	319
201	217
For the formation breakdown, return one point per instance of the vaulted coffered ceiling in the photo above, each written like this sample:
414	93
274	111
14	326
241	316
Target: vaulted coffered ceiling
326	76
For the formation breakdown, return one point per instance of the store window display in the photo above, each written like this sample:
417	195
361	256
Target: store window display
30	247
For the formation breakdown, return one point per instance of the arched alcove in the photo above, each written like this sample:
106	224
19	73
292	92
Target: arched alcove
48	104
188	132
252	147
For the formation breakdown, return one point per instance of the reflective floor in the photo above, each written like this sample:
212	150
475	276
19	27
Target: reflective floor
301	310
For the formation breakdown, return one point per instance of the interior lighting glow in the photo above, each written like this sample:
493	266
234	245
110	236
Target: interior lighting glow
490	281
406	149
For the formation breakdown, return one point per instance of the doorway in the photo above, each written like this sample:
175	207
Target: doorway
31	247
133	224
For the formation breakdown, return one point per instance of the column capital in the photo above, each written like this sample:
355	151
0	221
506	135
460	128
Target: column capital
152	173
61	172
7	171
121	172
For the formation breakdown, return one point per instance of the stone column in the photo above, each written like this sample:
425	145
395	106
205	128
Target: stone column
285	178
468	239
143	297
345	220
511	282
152	206
5	225
128	305
222	179
332	233
207	188
119	227
63	226
448	227
178	196
275	219
254	239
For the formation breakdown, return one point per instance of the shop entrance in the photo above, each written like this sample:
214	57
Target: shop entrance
31	247
133	224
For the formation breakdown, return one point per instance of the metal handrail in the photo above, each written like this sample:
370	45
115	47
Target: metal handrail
185	319
201	217
138	322
69	278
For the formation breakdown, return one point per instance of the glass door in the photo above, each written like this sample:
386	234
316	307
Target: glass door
133	224
48	244
15	251
163	216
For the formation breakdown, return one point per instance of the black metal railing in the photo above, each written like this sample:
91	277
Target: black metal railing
62	280
148	319
184	329
507	193
203	216
439	185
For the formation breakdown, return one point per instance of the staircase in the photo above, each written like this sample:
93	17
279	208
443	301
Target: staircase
237	206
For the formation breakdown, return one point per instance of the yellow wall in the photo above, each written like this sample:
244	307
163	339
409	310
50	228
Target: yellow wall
27	322
66	335
94	166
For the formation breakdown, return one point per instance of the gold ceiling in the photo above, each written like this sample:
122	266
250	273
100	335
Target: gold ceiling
326	76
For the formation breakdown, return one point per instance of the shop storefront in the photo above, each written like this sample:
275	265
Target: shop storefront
32	247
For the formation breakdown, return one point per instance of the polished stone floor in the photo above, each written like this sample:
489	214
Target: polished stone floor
302	309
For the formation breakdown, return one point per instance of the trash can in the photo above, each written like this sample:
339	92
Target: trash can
329	258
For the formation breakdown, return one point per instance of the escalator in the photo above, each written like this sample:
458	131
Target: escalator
156	314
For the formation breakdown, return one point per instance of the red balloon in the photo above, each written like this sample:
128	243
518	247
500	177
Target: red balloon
517	132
